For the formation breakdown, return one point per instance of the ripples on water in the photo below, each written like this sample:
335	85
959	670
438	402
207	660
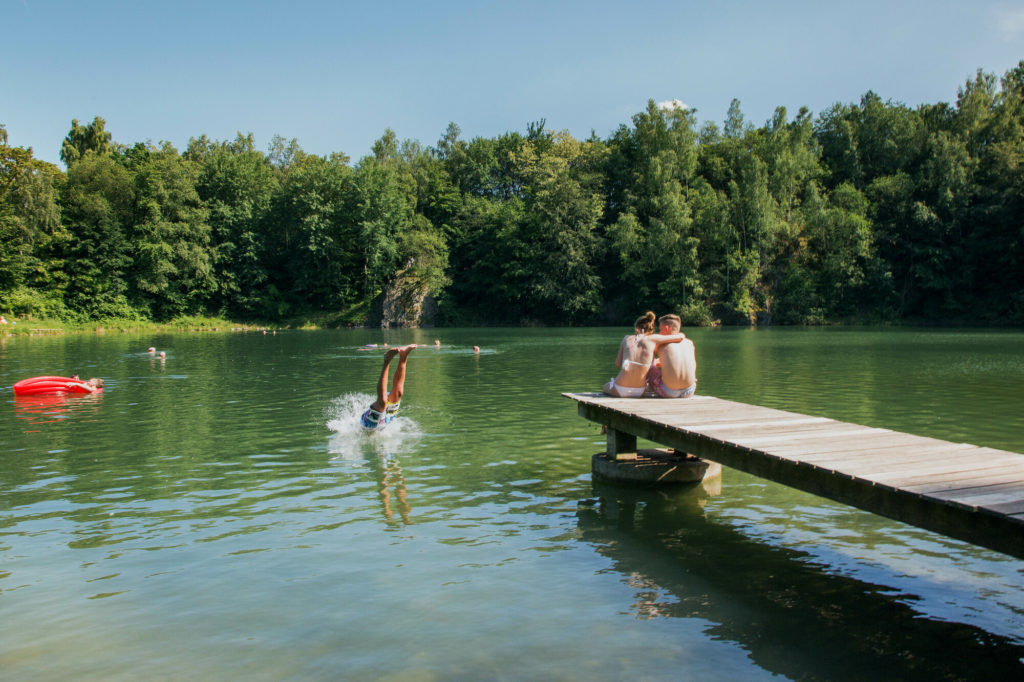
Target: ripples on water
222	514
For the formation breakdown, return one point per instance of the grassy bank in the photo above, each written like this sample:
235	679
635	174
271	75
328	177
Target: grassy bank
31	326
36	326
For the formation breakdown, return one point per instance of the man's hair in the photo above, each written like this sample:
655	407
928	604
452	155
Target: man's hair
96	381
671	320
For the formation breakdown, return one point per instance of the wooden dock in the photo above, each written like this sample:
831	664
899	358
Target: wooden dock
971	493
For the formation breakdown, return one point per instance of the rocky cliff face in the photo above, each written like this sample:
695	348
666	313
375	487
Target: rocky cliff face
405	303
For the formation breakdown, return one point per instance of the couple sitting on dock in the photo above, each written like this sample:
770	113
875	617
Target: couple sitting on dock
663	364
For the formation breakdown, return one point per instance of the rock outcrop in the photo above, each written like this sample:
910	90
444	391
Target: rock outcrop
405	303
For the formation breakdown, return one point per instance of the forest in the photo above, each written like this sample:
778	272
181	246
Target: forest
873	212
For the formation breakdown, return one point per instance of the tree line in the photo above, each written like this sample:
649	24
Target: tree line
868	212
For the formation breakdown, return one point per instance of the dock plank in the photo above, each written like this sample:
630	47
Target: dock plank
875	443
926	453
826	433
965	476
878	471
964	491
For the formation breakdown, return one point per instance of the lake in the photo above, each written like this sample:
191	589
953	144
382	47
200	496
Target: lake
218	514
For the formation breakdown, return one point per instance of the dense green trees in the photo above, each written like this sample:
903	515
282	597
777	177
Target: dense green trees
870	211
32	274
172	262
653	244
98	202
238	186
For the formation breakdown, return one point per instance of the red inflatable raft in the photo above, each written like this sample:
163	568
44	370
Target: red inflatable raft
41	385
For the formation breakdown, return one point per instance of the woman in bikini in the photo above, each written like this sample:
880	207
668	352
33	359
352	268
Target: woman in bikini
636	354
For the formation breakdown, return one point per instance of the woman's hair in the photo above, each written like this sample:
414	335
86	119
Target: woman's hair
645	323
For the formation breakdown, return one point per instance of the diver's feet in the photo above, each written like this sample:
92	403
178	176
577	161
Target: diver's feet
405	350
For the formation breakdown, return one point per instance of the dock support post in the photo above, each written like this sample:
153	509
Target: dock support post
620	445
621	461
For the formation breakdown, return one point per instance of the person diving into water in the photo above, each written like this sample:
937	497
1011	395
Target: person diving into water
385	407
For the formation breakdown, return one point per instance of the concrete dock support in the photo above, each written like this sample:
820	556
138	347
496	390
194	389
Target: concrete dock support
621	461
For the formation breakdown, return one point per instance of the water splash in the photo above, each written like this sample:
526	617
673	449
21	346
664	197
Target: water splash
350	441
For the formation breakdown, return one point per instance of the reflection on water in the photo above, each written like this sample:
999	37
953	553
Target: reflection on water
222	514
788	610
52	407
377	449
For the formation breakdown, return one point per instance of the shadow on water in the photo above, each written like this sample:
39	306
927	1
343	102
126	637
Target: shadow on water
793	616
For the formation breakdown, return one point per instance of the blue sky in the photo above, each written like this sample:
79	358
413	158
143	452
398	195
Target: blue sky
336	74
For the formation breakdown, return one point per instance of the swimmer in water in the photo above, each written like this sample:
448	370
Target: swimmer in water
93	385
385	407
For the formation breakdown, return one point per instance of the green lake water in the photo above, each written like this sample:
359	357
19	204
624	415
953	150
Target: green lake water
220	515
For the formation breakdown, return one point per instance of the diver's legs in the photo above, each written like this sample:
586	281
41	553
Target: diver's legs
382	383
398	386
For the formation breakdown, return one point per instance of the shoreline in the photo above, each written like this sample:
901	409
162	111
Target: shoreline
45	327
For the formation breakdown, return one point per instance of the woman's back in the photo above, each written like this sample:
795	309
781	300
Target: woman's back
637	356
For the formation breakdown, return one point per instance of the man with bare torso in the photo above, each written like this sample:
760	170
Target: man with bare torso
674	373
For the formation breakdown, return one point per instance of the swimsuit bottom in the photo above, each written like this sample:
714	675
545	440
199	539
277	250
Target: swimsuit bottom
665	392
628	392
373	419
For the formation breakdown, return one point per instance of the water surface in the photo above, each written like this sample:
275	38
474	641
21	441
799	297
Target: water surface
218	514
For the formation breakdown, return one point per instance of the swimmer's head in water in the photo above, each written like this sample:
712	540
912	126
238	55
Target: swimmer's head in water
96	381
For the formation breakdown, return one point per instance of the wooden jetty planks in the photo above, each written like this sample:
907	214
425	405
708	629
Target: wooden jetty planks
869	459
968	475
961	490
724	426
881	472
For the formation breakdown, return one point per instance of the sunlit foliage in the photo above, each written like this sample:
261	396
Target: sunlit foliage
870	211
